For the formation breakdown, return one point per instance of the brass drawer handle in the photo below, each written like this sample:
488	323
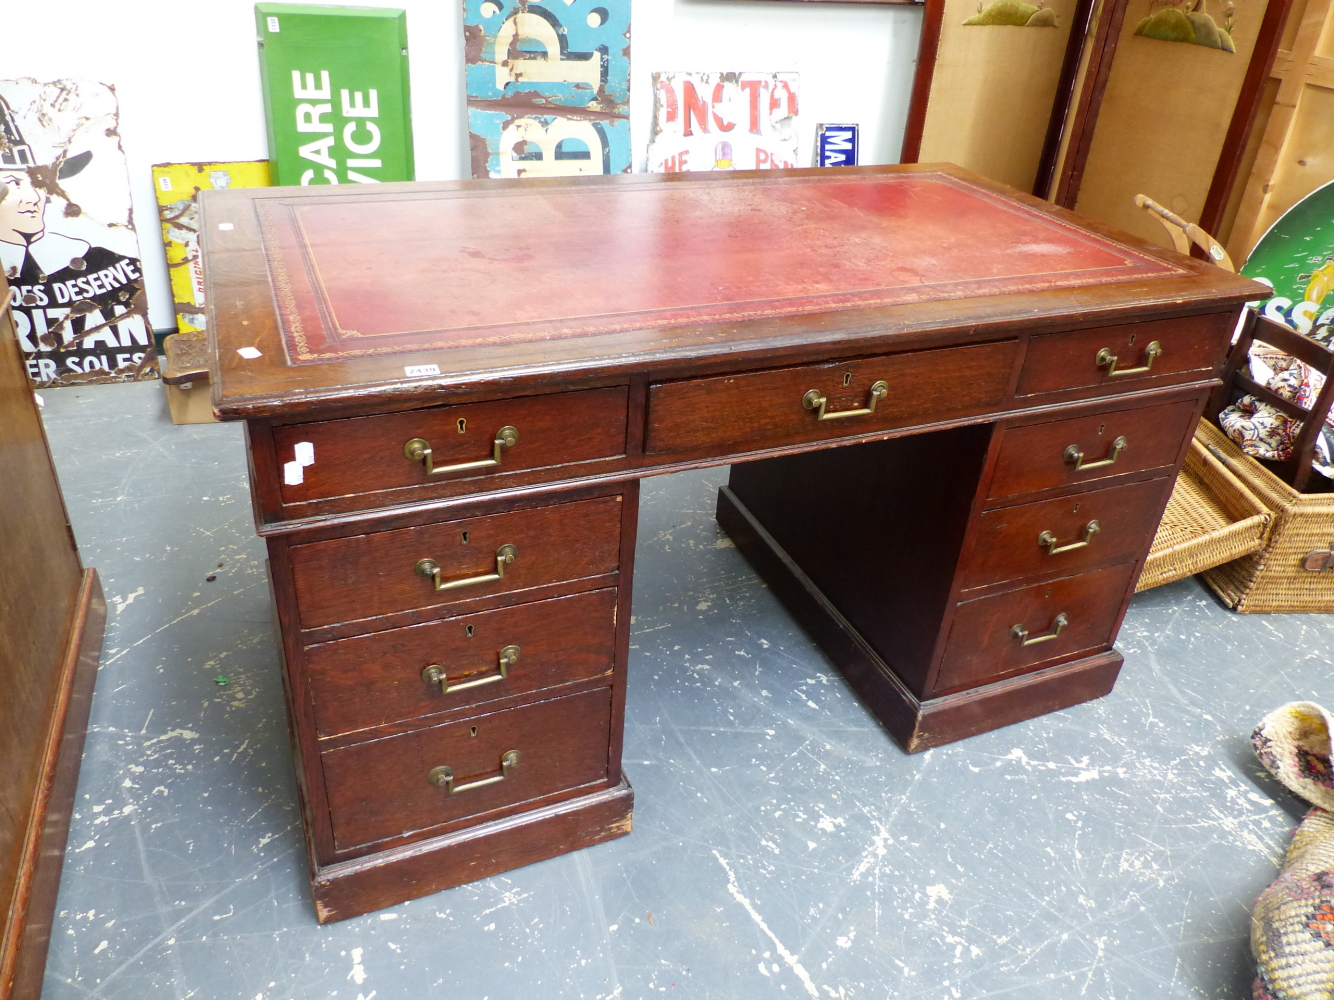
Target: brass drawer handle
815	400
435	674
1075	456
1106	359
1058	623
1048	541
443	777
419	450
429	568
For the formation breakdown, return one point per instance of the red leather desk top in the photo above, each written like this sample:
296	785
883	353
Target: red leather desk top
395	271
360	299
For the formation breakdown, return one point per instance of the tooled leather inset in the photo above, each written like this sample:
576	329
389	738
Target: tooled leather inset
374	274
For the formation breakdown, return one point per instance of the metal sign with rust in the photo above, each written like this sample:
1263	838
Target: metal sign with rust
548	87
67	240
177	186
723	121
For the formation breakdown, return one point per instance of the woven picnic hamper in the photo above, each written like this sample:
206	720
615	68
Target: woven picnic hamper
1293	570
1212	518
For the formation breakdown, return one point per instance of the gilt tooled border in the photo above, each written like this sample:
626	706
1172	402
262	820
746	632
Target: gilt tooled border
293	333
1133	261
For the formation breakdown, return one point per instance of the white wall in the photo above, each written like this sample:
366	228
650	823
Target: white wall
187	76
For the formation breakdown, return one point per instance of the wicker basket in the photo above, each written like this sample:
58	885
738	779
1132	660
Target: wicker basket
1289	573
1212	518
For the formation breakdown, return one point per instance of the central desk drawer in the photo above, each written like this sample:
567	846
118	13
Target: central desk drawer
1116	357
393	786
1065	535
1087	449
477	442
994	637
381	678
730	414
348	579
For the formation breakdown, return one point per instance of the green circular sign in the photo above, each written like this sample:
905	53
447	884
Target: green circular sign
1296	259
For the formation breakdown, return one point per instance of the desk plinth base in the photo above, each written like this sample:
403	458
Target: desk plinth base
351	888
917	724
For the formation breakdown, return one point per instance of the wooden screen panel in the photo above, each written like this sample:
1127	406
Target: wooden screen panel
1291	152
993	88
1166	114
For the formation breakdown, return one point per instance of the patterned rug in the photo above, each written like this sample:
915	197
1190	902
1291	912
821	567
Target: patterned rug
1292	925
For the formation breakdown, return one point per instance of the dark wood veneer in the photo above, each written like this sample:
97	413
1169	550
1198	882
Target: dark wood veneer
362	455
562	746
362	576
982	649
886	533
52	615
1190	346
1005	546
1033	457
761	409
375	680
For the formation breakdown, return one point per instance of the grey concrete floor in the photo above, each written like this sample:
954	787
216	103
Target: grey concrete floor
783	845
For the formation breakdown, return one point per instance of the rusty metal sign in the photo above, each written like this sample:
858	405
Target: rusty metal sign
177	186
67	240
723	121
548	87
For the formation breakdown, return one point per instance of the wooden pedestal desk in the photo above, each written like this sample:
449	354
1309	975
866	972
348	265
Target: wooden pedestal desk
954	415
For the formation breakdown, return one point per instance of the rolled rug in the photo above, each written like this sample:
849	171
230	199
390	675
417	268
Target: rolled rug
1292	924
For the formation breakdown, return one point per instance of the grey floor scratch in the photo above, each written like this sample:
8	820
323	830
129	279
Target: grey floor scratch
783	845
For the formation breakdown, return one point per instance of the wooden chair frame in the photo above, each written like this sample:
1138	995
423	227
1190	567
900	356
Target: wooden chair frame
1297	470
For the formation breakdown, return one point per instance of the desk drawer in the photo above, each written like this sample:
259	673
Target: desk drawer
360	455
1111	358
1066	535
376	679
983	645
348	579
385	788
738	413
1085	449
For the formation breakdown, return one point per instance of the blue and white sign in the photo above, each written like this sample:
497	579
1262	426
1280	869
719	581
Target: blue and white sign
548	87
836	145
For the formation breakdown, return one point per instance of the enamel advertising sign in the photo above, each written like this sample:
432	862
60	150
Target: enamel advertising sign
177	186
548	87
836	145
335	93
67	240
1296	259
723	121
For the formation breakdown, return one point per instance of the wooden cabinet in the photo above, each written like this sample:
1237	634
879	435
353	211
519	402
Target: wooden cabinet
905	367
51	619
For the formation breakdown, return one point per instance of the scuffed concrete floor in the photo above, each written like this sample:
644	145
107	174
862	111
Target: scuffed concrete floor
783	845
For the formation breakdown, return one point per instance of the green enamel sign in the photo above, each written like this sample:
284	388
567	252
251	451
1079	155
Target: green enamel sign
1296	259
336	93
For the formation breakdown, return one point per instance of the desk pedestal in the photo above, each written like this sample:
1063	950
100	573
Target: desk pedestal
952	602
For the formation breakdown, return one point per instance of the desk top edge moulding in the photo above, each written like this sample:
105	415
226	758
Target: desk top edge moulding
953	415
361	283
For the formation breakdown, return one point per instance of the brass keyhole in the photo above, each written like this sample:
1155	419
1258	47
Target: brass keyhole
464	536
847	378
468	630
1132	339
463	424
1076	510
1048	594
472	731
1101	428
